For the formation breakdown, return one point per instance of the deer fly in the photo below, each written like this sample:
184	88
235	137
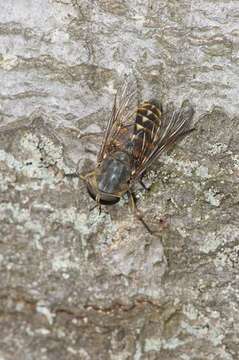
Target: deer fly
135	136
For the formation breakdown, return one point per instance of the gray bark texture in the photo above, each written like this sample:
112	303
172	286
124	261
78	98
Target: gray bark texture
78	285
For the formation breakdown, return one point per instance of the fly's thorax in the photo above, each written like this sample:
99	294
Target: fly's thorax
110	180
114	173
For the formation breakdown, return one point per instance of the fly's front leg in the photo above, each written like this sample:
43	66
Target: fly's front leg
78	175
136	211
75	175
72	175
81	134
146	188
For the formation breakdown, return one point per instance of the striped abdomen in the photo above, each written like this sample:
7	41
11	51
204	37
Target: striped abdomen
147	124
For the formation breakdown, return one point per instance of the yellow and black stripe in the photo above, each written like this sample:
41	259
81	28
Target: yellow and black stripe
147	123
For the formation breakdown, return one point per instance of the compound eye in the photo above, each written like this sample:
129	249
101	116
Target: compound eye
105	199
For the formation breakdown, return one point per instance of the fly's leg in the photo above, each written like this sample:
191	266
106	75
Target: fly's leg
75	174
96	206
98	203
78	175
81	134
146	188
136	211
72	175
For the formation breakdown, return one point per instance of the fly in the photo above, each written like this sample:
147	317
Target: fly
134	138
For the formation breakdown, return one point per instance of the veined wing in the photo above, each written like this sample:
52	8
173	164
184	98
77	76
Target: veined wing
164	136
124	108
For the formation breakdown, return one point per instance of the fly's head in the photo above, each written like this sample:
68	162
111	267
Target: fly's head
92	184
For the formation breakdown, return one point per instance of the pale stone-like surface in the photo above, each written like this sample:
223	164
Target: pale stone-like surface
78	285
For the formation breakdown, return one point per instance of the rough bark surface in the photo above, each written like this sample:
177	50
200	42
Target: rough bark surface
78	285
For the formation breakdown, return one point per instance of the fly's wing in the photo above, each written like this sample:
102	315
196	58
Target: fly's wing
155	133
124	107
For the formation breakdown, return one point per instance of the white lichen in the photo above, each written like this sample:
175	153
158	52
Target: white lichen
63	262
188	168
190	311
217	148
213	198
42	309
152	344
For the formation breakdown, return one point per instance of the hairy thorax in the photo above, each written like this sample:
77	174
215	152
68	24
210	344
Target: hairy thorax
114	173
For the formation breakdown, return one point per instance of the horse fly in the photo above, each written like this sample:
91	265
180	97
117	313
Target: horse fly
134	138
